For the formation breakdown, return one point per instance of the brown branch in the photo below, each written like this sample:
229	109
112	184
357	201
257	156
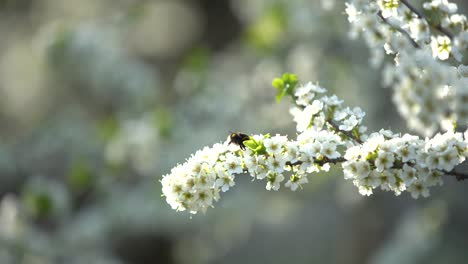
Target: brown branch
320	162
422	16
413	9
399	29
460	176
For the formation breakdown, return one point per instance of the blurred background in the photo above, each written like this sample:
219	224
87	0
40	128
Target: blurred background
100	98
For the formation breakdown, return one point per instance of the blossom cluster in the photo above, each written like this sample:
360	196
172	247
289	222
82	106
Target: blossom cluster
315	114
197	183
429	93
328	133
398	163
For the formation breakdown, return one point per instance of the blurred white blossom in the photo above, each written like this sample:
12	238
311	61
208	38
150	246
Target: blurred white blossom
10	223
427	91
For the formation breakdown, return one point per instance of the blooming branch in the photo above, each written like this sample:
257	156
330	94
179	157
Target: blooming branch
429	92
328	133
401	30
421	16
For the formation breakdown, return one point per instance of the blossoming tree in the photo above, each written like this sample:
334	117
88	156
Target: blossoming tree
430	91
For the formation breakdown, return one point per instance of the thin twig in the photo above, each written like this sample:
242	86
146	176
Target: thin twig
399	29
320	162
413	9
422	16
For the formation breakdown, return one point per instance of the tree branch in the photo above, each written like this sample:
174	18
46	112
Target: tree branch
460	176
422	16
413	9
320	162
399	29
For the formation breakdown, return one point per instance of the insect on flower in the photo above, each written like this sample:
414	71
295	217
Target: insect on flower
238	139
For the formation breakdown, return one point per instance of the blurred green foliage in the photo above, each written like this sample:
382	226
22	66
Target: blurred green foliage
268	31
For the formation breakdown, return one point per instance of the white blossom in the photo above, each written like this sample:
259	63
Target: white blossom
381	160
273	181
225	181
384	161
426	86
418	189
352	12
388	8
443	5
295	182
275	145
441	47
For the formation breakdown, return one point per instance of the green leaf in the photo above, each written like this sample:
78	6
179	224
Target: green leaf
257	147
372	156
290	78
261	150
285	85
251	144
278	83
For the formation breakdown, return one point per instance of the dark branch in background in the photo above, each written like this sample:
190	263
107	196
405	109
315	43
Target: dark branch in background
422	16
413	9
399	29
459	175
